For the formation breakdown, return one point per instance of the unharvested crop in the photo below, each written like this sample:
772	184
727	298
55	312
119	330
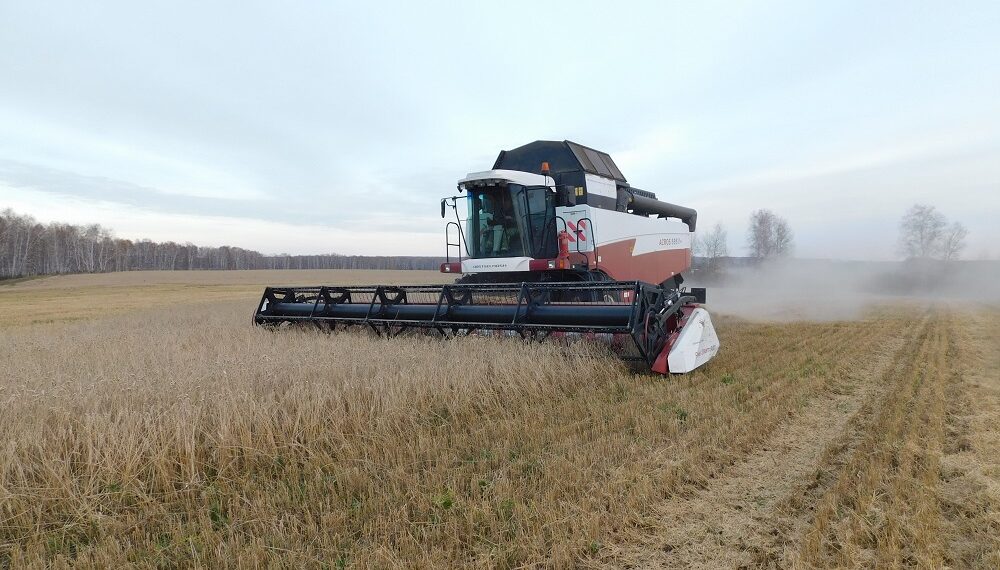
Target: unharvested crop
179	435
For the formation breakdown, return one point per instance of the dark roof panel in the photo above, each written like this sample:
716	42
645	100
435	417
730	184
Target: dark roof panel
562	156
581	156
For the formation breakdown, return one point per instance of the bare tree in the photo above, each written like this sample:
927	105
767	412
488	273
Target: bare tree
953	241
921	231
715	246
697	246
769	235
782	238
924	233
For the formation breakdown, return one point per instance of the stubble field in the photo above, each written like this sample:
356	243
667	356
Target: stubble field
144	422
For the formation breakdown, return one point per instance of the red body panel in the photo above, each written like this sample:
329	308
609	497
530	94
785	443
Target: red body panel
617	261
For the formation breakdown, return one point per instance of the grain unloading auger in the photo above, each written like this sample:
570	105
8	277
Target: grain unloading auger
573	250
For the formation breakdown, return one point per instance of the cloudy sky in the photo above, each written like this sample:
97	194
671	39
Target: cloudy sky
308	127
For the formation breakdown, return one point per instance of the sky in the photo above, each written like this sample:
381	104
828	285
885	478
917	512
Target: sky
319	127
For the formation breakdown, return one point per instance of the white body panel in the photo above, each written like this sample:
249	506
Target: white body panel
696	344
601	186
495	264
609	226
515	176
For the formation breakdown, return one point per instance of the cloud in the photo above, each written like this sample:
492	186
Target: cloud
357	118
266	236
362	213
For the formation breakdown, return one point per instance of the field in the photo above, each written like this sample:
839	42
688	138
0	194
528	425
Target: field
145	423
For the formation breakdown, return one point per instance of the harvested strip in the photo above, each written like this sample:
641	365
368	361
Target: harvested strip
737	520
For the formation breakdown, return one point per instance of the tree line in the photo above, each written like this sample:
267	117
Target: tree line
29	248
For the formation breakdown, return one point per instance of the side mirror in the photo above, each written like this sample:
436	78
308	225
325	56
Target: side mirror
442	206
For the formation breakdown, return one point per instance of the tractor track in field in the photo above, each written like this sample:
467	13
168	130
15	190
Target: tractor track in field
875	504
746	517
969	491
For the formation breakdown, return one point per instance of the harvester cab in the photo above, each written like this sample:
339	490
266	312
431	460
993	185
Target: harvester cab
509	221
550	242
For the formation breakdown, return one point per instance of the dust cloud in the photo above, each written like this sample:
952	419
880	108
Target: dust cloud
824	290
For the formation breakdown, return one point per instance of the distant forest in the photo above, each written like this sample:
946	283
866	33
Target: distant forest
29	248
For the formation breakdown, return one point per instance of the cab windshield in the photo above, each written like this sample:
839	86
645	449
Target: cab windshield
511	221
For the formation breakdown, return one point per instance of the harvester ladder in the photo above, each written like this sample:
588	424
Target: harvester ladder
579	230
456	244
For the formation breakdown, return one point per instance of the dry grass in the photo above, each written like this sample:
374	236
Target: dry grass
969	490
254	279
67	298
890	500
180	436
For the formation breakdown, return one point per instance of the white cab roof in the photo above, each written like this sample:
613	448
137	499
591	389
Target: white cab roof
515	176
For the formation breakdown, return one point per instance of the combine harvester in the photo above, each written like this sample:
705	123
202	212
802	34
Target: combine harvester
553	241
